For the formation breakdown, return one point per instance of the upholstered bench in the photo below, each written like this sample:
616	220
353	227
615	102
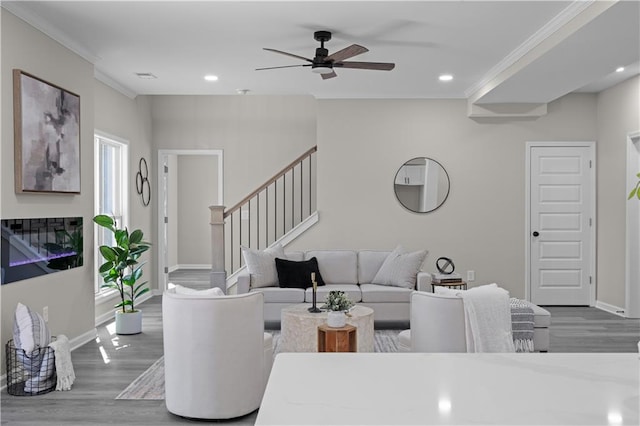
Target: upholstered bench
541	320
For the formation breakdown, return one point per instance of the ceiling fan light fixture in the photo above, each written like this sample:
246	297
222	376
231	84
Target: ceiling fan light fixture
321	69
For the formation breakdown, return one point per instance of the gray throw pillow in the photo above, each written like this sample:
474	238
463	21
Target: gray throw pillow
400	269
261	265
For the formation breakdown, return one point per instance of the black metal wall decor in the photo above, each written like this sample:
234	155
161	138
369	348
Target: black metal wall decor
142	182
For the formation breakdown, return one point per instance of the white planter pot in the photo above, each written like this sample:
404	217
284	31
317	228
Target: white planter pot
336	319
128	322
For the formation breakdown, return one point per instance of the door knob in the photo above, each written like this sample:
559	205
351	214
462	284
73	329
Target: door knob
536	233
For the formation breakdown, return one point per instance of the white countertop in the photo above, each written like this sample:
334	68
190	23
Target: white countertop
461	389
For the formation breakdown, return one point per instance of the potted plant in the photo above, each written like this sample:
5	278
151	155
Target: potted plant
121	271
337	303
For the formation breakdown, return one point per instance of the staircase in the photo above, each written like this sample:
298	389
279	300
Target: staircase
278	211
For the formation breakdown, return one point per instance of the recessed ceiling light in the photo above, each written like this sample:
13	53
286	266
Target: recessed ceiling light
445	77
146	75
619	69
211	77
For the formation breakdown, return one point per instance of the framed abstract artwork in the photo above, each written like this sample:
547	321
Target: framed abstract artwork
47	136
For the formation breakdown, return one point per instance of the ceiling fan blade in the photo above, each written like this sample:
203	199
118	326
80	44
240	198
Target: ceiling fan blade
329	75
380	66
347	52
285	66
288	54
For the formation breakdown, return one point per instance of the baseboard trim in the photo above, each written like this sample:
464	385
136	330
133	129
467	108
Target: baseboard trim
190	266
173	268
82	339
109	314
612	309
104	318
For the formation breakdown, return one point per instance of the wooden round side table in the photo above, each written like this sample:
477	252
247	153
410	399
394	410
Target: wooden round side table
337	339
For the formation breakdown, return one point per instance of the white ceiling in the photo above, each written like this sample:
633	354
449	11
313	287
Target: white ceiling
498	52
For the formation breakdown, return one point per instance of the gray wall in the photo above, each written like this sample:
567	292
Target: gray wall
68	291
197	190
129	119
258	134
361	145
68	294
618	115
481	225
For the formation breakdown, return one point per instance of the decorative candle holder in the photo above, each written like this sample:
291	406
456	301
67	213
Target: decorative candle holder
313	307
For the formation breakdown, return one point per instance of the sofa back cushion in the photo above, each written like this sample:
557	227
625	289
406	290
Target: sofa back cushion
369	263
261	265
336	266
297	256
400	269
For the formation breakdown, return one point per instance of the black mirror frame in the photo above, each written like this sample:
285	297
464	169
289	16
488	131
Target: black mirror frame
443	200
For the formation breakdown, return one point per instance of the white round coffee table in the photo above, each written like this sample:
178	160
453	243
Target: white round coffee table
299	328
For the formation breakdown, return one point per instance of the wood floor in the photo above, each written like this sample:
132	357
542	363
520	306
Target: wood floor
106	366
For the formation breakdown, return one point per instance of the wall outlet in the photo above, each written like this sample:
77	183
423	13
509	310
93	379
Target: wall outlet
45	314
471	276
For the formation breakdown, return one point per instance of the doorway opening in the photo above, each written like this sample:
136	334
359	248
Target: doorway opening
190	182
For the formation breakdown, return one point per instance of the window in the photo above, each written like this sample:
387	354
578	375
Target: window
111	196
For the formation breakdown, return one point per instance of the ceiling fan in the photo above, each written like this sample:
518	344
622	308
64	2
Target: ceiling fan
324	64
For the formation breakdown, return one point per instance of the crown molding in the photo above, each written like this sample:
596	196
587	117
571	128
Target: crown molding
100	76
21	11
560	20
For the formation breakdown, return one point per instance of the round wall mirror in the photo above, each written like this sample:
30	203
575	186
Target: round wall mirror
421	185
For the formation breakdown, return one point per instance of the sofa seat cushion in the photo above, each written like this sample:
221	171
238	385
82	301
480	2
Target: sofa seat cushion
336	266
351	290
375	293
281	295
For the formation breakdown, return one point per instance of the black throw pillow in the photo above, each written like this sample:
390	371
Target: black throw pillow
292	274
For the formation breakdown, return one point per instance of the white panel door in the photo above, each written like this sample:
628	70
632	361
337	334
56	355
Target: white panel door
560	225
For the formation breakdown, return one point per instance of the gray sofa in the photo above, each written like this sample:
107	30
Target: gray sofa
351	271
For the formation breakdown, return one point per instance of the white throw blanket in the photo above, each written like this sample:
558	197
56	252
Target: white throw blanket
64	367
487	319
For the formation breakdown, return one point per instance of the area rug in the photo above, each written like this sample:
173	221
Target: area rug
150	384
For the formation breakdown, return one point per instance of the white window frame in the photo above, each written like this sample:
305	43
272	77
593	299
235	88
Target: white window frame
101	139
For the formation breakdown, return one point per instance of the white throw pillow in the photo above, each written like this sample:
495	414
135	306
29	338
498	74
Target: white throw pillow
214	291
261	265
400	269
30	331
456	291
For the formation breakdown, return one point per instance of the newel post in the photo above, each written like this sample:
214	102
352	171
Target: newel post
218	276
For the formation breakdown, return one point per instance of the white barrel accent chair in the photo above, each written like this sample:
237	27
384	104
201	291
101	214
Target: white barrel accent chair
437	324
217	356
